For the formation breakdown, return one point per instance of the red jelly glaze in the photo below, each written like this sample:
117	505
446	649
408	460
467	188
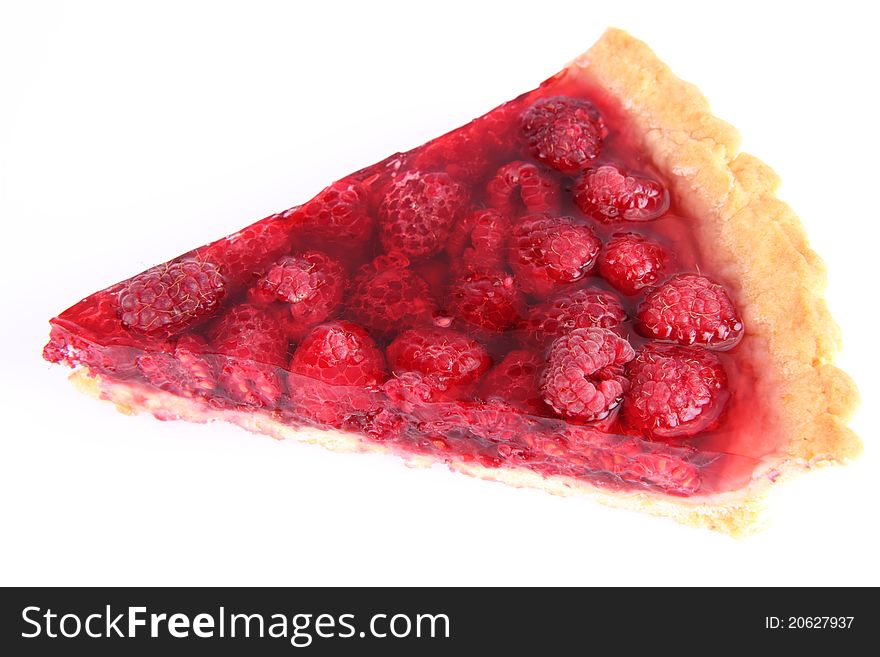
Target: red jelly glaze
473	424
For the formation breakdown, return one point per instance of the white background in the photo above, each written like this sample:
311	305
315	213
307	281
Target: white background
131	132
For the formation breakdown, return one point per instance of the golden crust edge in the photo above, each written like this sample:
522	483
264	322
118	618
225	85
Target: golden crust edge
752	239
737	514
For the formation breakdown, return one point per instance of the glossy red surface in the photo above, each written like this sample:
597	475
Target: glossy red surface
424	246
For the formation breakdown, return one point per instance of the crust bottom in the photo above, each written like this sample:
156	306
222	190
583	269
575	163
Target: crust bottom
736	513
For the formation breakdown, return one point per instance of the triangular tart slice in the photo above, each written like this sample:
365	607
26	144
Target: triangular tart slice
587	290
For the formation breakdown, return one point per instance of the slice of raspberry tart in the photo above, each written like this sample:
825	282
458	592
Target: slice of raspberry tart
586	290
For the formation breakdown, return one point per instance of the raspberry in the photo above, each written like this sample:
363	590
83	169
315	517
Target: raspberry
389	297
182	370
418	212
245	255
690	309
631	262
488	301
582	308
339	353
521	186
465	153
583	379
653	465
515	381
381	425
499	422
410	390
666	472
339	214
479	240
566	133
457	154
477	421
547	253
334	375
452	357
255	342
311	282
166	299
608	194
674	391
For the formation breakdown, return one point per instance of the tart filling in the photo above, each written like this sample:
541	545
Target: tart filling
534	291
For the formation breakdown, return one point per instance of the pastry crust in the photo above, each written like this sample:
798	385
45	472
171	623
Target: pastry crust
751	240
749	237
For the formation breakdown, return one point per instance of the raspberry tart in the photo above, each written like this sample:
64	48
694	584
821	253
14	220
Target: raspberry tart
586	290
